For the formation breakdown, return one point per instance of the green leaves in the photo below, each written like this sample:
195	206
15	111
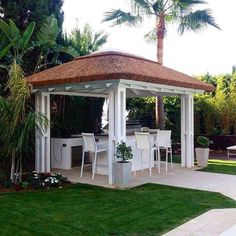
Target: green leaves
123	152
48	32
15	41
196	20
70	51
86	41
5	28
181	11
120	17
5	50
24	41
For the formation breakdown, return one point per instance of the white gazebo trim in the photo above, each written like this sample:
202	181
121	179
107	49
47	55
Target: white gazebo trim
117	124
187	131
116	91
42	138
102	88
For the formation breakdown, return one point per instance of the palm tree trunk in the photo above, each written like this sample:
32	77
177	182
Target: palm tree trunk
160	114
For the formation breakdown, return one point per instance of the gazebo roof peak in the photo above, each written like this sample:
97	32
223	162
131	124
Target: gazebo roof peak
115	53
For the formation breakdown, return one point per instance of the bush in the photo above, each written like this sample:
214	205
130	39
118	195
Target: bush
123	152
203	142
42	180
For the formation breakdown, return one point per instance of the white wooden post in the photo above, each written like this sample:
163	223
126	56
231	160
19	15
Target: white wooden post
187	131
117	124
42	137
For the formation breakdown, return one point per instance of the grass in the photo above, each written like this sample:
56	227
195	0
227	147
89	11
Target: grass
88	210
221	166
214	166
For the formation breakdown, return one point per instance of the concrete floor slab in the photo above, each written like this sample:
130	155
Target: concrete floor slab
178	176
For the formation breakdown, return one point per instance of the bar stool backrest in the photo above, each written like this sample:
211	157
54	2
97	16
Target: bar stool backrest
164	138
89	142
143	140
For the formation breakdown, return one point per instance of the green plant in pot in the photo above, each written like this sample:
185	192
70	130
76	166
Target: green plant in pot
123	166
202	151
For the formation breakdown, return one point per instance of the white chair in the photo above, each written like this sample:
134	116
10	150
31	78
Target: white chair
163	140
144	143
92	147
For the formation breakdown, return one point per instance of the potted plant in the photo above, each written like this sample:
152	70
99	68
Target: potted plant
122	167
202	151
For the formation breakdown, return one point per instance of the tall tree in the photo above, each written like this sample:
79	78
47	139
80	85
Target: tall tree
182	12
17	117
24	11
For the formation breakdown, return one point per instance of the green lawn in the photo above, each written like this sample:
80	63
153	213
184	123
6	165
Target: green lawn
221	166
87	210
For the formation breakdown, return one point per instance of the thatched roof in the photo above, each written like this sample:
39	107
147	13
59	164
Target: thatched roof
114	66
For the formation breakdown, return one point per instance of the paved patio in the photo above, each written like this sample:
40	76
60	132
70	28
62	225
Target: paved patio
178	176
217	222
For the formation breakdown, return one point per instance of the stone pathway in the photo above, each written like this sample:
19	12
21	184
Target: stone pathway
189	178
217	222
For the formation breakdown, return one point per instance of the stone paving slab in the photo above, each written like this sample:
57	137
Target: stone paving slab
178	176
230	231
212	223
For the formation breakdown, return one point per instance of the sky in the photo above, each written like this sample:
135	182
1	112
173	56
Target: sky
208	51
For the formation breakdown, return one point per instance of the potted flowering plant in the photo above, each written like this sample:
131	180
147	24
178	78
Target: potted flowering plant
202	151
123	166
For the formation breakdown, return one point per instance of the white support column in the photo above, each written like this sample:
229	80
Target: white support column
117	124
42	137
187	131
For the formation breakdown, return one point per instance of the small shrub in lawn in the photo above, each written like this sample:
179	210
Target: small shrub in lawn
42	180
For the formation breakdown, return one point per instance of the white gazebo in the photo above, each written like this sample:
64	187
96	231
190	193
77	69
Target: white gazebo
115	76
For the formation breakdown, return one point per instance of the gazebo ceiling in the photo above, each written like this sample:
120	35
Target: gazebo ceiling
114	66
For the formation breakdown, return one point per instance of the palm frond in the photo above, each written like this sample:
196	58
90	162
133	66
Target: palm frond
142	6
151	36
48	32
158	6
196	20
120	17
183	4
99	39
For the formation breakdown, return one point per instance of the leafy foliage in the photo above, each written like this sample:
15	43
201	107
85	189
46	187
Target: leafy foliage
23	12
123	152
42	180
16	43
86	41
203	142
17	120
181	11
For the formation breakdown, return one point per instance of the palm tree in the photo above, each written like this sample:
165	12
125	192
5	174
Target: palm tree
86	41
164	11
